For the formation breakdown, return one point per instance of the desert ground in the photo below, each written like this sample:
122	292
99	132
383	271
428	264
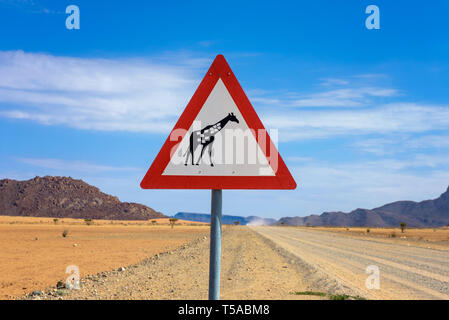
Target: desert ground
35	255
408	269
427	236
251	269
147	260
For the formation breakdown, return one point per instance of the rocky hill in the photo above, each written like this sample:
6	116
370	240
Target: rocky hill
62	197
429	213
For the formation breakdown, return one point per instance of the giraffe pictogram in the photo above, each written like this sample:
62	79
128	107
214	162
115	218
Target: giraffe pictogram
205	138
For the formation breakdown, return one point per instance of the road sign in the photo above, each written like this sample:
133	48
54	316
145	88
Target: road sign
218	142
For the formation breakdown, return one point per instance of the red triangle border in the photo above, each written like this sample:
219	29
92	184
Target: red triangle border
154	179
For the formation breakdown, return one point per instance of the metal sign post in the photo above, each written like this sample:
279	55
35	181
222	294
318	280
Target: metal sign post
215	245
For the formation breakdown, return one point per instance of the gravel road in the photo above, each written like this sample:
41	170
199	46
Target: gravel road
406	271
252	268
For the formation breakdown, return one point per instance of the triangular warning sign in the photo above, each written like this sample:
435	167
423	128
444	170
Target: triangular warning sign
218	142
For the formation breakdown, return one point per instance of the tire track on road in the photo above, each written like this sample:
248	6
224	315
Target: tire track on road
346	259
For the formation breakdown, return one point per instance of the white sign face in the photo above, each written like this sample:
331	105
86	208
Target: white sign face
219	142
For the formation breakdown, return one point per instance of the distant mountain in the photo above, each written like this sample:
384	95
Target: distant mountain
428	213
226	219
63	197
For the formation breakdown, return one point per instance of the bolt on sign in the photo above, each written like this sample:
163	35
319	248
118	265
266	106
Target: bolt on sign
218	142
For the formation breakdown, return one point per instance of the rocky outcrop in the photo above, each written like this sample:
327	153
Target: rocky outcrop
64	197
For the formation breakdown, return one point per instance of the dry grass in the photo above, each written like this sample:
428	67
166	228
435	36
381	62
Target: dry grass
34	254
424	234
69	221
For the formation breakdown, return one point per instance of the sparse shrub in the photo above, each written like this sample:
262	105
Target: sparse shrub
88	221
236	223
55	220
282	223
65	233
153	222
367	230
339	297
307	224
310	293
393	235
403	225
172	221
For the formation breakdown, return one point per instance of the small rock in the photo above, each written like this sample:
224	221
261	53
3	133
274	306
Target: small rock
60	285
36	293
61	292
121	269
75	245
36	238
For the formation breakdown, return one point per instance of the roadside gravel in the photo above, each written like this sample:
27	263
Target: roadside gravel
252	268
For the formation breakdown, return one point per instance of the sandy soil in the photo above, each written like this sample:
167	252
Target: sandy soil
252	268
35	255
69	221
432	235
407	271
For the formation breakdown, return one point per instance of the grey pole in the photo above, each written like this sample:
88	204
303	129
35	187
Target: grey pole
215	246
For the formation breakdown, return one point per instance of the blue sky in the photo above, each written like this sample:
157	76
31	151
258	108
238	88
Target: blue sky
363	115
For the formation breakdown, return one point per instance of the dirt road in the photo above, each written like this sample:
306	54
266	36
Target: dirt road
252	268
406	271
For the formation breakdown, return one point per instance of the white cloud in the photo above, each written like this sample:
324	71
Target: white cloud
403	143
346	97
99	94
148	95
325	186
386	119
72	165
334	81
349	96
